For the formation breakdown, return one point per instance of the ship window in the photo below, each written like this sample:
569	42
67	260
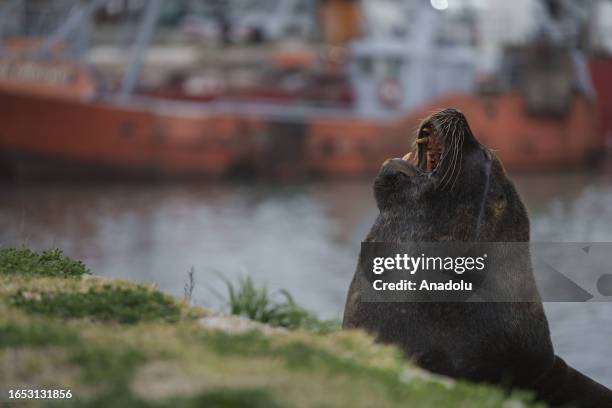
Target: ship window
301	7
293	30
158	136
394	66
366	64
126	129
259	6
362	148
328	148
399	32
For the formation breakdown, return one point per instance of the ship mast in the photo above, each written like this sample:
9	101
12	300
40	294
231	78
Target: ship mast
79	14
145	33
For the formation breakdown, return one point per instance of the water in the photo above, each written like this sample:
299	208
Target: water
304	238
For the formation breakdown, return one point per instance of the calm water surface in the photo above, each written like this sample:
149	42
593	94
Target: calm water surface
304	238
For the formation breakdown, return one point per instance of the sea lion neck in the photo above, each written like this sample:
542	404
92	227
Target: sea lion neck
428	219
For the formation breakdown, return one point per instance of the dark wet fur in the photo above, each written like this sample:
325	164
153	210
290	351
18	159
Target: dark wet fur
467	198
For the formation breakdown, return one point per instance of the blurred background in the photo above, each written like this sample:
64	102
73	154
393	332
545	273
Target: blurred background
240	137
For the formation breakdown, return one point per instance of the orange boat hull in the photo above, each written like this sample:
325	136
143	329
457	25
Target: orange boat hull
43	136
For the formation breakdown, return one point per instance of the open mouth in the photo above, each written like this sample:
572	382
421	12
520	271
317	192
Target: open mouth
429	150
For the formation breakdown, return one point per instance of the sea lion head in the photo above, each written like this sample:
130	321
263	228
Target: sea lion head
450	187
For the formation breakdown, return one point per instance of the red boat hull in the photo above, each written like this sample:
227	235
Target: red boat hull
41	136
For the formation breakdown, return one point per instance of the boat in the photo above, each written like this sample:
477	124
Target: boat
55	121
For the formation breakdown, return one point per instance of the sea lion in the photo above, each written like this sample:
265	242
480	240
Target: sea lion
454	189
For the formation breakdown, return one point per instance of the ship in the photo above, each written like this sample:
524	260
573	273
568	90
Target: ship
56	120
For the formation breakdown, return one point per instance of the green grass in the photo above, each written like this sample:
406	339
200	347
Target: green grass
24	261
106	303
279	309
116	343
302	356
105	364
34	334
223	398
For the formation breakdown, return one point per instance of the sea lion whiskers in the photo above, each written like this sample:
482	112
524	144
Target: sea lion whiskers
448	171
458	153
429	144
452	149
458	137
452	139
460	160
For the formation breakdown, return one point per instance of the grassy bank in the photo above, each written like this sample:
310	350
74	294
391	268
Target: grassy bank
116	343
